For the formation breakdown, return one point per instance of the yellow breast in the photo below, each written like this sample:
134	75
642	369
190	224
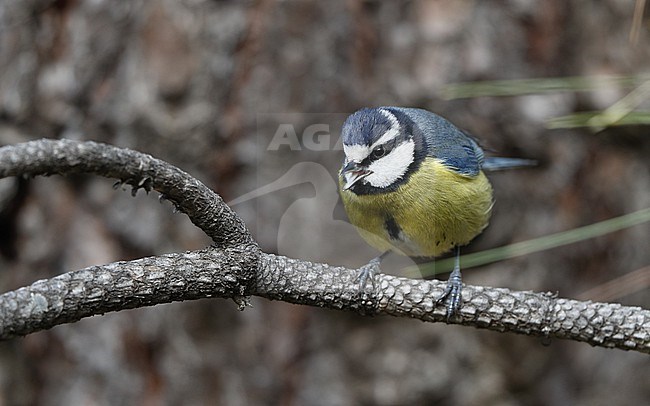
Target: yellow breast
435	210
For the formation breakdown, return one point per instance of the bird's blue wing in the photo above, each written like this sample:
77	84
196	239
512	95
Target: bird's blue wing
456	149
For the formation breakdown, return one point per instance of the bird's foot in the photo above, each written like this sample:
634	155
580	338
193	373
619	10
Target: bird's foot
368	272
452	294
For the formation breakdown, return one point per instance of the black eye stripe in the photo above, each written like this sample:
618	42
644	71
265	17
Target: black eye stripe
387	147
378	152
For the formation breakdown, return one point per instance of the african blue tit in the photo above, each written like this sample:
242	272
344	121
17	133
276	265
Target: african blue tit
413	183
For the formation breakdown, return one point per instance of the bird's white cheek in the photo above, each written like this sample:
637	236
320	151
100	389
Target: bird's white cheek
389	169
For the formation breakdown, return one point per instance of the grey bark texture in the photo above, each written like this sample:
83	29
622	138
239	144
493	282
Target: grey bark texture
236	267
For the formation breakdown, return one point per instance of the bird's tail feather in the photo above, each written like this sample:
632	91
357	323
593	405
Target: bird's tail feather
499	163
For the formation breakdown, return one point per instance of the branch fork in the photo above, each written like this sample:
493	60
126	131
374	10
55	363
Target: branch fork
235	268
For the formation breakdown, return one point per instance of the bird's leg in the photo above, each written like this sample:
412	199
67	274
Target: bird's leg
369	270
452	293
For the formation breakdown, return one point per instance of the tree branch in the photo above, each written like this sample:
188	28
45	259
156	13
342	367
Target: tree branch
539	314
223	273
124	285
205	208
237	268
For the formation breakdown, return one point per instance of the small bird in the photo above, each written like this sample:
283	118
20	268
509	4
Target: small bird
413	183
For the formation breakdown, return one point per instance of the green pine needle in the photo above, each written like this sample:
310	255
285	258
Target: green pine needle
519	87
538	244
586	119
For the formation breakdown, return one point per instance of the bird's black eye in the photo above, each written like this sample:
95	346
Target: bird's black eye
378	152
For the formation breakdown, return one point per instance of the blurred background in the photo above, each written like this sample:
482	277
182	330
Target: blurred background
249	96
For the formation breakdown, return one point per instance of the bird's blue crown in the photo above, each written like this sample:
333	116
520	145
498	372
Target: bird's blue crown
365	127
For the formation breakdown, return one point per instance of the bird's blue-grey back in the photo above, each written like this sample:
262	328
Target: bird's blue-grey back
445	141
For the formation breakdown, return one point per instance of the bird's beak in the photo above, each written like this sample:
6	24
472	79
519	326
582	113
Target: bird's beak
352	173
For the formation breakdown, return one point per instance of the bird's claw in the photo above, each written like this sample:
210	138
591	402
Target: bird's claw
452	294
368	272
